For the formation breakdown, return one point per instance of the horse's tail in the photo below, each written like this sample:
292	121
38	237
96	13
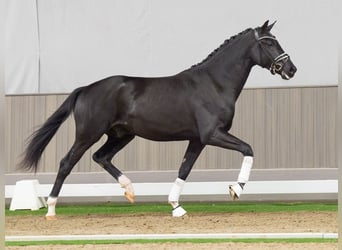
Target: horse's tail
41	137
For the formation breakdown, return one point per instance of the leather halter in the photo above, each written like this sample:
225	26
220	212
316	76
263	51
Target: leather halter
276	65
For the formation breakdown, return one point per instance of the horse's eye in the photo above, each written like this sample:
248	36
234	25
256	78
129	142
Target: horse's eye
268	42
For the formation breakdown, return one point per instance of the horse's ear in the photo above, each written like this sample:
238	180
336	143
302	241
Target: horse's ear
264	26
271	26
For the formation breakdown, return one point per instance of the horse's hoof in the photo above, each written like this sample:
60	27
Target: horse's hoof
50	217
178	212
130	196
232	193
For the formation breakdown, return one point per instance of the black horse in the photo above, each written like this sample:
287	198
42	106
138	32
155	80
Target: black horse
196	104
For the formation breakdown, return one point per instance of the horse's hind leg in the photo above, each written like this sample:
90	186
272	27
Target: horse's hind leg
104	155
66	165
192	152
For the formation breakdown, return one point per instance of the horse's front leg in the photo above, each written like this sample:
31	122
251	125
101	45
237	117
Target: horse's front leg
192	152
225	140
177	187
236	189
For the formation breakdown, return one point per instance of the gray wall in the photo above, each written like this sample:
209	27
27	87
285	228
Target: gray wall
287	127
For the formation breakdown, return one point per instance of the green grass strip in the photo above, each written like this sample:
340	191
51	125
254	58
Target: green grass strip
226	207
194	241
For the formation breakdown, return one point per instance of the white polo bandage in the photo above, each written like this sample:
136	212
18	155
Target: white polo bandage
51	202
175	192
126	183
246	167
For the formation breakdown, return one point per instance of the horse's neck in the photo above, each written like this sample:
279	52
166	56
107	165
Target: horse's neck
230	72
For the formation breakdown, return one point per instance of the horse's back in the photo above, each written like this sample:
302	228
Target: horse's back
161	108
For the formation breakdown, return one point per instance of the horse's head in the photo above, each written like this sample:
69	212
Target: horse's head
268	53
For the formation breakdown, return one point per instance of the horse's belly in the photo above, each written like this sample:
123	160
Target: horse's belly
165	131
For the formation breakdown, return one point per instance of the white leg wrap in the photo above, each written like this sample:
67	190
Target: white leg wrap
51	202
176	190
246	167
236	189
126	184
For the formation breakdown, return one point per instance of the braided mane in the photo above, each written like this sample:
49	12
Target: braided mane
221	47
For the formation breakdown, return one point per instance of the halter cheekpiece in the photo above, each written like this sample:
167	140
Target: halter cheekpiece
276	65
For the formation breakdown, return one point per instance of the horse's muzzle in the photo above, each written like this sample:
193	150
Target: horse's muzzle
287	74
286	69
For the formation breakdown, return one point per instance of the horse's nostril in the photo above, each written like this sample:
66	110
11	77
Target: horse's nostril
292	70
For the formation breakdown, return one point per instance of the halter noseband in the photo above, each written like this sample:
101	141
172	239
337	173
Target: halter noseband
275	65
